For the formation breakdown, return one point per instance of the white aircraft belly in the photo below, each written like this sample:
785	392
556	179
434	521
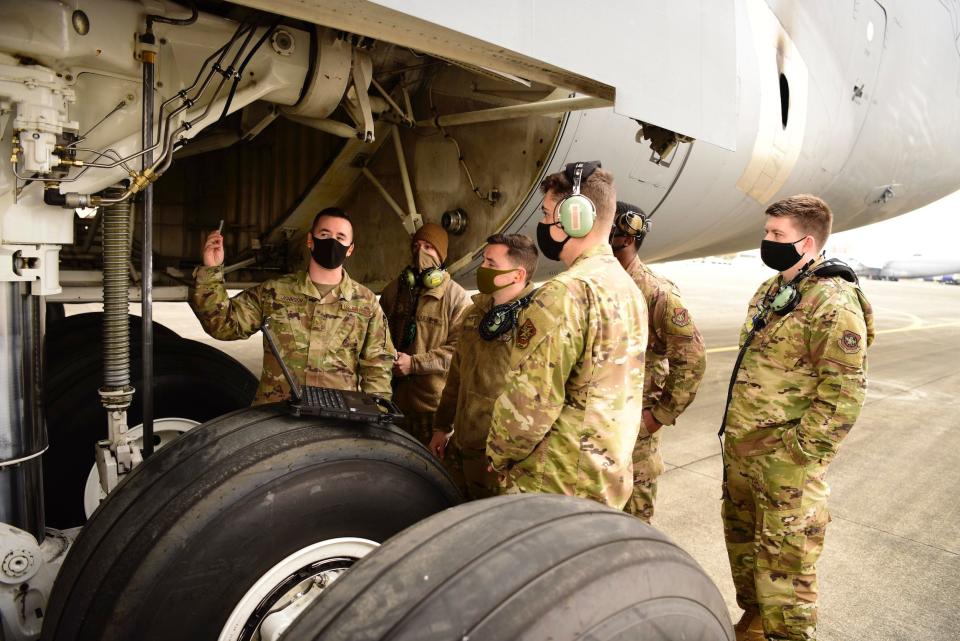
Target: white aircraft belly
672	64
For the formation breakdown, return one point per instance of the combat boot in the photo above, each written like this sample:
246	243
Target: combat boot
750	627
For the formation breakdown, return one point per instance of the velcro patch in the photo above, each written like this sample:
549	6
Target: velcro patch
681	317
526	333
293	300
850	342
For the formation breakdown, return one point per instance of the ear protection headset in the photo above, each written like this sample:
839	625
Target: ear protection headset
502	318
788	297
632	224
576	213
428	278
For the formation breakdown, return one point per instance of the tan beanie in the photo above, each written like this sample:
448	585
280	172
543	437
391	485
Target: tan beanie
436	236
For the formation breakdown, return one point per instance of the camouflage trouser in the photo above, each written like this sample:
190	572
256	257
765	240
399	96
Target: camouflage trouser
774	519
469	471
647	466
419	425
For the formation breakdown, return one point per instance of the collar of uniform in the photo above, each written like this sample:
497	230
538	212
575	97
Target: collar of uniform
438	291
600	249
635	266
344	291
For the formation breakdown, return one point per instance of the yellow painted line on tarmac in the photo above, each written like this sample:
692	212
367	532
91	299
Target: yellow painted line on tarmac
716	350
912	327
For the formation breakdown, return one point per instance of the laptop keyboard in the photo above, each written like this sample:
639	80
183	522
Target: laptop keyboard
324	398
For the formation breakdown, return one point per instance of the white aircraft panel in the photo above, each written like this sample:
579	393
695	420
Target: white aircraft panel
672	64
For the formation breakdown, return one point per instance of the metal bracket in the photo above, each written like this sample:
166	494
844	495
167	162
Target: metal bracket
358	103
411	220
27	573
37	264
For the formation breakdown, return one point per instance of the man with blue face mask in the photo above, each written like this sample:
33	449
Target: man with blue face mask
795	393
329	328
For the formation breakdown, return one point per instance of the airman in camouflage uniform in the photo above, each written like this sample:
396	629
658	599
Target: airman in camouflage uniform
675	359
424	322
569	415
334	339
481	364
797	392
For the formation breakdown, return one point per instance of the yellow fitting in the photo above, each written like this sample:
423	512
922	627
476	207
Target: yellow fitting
140	181
149	57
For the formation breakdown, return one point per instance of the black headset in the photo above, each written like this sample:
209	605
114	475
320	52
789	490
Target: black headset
500	319
632	223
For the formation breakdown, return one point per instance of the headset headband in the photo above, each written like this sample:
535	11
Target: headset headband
577	172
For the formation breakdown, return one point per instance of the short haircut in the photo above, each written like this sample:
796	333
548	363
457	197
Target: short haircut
332	212
598	187
520	249
811	215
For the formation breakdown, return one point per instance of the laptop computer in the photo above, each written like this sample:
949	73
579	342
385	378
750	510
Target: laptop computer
308	400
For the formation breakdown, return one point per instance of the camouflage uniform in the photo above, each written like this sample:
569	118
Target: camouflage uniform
797	393
569	415
477	376
438	312
339	340
675	362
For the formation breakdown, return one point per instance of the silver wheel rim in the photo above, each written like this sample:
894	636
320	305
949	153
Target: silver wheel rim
165	429
286	589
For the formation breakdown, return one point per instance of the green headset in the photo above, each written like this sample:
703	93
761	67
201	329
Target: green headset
429	278
576	213
786	299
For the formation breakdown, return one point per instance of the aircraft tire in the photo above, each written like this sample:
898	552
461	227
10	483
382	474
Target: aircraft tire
181	541
522	567
191	380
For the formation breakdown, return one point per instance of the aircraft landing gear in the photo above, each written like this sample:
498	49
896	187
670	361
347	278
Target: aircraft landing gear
231	510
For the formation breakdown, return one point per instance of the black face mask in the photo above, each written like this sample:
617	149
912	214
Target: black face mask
780	256
328	252
548	246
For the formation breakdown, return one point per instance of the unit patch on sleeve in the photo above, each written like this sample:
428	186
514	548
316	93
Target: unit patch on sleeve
526	333
850	342
681	318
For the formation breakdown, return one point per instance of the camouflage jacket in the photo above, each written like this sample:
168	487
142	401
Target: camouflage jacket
339	341
571	409
477	375
676	357
439	312
802	380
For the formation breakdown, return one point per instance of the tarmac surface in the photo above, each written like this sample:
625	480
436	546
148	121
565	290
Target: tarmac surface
890	570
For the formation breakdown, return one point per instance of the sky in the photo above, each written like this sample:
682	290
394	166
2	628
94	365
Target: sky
932	231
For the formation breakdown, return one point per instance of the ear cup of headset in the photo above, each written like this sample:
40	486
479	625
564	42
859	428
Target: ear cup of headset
408	277
786	300
431	278
632	224
576	215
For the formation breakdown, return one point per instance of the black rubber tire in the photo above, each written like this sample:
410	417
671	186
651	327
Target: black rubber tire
73	346
174	548
191	380
522	567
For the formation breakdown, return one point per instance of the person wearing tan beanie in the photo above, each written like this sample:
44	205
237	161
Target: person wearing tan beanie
424	309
